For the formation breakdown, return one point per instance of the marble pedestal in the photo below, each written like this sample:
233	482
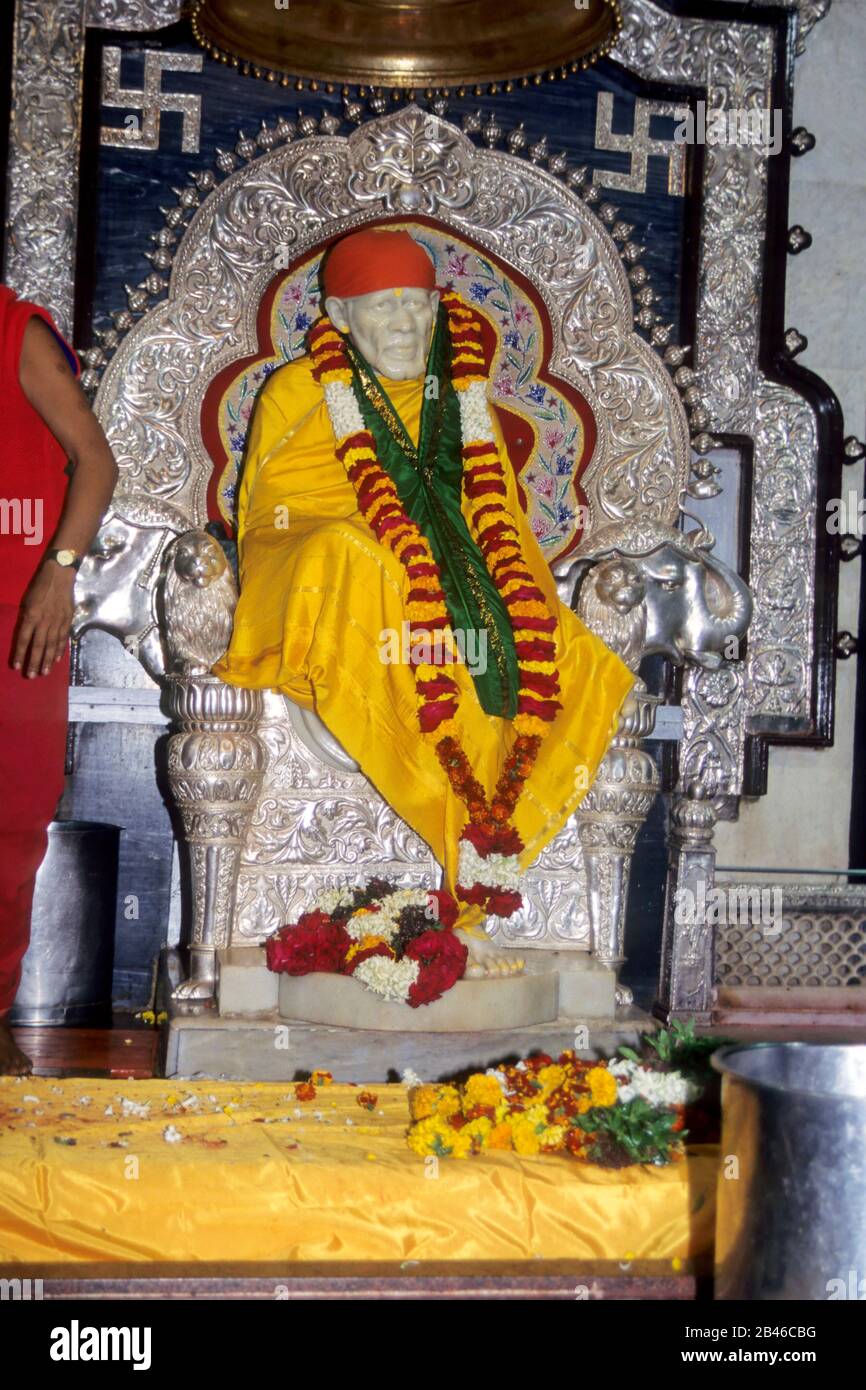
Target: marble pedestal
249	1036
555	984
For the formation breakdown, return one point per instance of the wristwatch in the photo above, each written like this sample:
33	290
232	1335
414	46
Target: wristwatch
67	559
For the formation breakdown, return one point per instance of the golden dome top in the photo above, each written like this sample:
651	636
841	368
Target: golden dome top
408	43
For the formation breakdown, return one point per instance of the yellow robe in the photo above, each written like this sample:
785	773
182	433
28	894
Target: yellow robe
317	592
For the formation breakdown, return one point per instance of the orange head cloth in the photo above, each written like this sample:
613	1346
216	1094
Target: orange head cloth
371	260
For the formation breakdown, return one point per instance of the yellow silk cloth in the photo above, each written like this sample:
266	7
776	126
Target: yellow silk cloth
259	1176
317	593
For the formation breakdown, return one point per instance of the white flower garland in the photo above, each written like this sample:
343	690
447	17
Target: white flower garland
657	1087
343	410
392	979
496	871
476	426
332	898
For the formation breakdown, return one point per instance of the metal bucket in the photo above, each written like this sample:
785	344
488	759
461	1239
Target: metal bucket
66	974
791	1209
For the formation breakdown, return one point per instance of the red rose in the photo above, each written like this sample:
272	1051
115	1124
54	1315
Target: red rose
314	920
431	715
501	902
476	895
503	840
541	684
435	946
536	650
334	942
544	709
442	958
498	902
447	909
303	949
437	687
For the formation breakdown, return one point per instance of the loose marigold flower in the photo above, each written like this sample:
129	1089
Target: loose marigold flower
602	1086
481	1090
422	1102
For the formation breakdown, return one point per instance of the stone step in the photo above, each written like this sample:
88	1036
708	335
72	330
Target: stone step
555	984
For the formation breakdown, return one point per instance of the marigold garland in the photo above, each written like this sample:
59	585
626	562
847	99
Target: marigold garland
490	846
607	1113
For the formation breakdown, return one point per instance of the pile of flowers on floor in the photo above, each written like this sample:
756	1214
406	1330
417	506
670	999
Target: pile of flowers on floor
632	1109
398	942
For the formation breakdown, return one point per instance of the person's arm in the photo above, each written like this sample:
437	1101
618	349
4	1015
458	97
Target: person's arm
50	387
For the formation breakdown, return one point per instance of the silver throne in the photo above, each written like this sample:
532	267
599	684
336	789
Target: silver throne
272	809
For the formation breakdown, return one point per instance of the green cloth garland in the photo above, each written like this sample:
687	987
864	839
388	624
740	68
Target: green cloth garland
429	483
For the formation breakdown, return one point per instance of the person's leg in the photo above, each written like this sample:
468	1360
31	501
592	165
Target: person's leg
32	750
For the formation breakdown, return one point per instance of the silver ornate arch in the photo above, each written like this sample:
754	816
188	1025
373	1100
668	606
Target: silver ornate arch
299	194
317	820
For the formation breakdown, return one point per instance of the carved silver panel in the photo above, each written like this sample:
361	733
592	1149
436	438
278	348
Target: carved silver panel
318	824
808	14
45	139
735	62
44	136
133	14
555	911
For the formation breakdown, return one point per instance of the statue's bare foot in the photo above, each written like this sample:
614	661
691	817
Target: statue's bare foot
487	960
13	1062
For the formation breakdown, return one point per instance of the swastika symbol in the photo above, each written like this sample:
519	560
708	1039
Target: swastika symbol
151	100
640	145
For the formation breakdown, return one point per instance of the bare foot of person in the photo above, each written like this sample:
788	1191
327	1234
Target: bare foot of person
487	960
13	1062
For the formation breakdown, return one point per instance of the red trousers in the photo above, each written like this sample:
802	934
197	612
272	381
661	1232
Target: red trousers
33	717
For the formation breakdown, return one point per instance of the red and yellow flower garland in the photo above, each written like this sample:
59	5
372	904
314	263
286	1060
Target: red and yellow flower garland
489	834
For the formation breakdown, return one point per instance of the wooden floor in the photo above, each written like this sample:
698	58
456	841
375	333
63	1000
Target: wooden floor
128	1048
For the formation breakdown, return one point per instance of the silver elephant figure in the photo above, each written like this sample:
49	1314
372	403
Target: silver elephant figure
648	587
117	586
